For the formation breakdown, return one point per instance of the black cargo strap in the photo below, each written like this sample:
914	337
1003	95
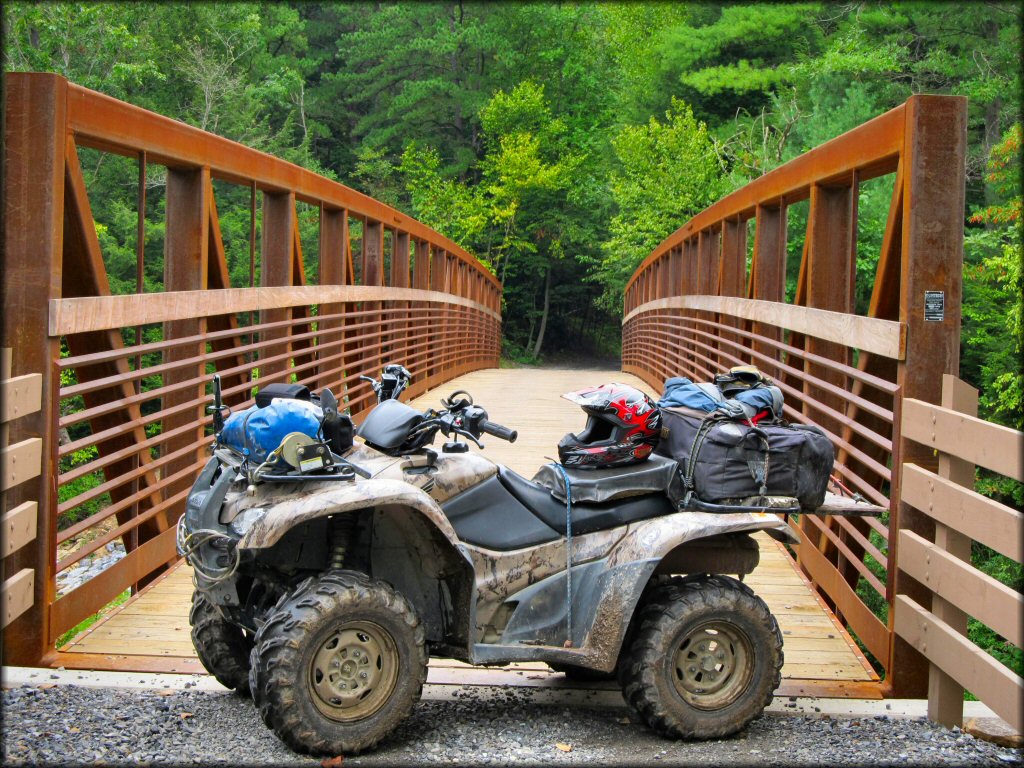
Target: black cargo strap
759	470
568	554
686	475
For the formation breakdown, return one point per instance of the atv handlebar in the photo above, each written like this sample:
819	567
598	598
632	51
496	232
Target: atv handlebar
496	430
473	418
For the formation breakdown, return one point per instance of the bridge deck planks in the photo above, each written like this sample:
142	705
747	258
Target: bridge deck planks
152	629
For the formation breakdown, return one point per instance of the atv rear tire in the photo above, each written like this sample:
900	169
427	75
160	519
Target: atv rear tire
581	674
222	647
704	659
338	664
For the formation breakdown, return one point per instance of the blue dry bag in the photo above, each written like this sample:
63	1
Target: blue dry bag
256	432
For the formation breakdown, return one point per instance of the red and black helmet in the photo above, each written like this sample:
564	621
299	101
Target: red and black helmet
623	426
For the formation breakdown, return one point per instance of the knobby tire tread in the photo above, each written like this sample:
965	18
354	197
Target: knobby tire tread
666	606
276	660
223	649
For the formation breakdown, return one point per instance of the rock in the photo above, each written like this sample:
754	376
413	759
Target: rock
995	730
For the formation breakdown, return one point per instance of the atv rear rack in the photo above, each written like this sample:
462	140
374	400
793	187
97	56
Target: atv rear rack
836	505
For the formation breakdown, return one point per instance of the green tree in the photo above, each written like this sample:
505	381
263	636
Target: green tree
103	46
408	71
726	57
517	218
668	172
993	290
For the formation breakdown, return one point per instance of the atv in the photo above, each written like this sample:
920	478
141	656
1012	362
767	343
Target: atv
327	571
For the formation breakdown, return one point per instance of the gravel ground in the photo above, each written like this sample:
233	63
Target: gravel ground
69	725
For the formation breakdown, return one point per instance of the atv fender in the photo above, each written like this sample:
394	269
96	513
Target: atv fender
631	563
653	539
607	590
320	501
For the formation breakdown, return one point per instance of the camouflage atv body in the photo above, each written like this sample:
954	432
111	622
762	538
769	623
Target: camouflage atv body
326	598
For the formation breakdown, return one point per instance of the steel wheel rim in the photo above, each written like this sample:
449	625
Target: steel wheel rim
354	671
712	665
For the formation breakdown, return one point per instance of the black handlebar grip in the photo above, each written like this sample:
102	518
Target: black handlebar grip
496	430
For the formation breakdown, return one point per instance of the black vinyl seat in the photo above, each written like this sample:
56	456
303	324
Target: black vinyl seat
489	516
586	517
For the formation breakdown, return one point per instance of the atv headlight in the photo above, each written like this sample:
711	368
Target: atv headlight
241	524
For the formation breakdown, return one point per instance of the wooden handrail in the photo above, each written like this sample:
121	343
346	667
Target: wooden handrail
103	122
19	396
980	442
868	334
944	566
870	150
98	313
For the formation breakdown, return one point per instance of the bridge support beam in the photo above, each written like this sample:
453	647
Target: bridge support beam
768	271
186	268
35	132
930	292
333	271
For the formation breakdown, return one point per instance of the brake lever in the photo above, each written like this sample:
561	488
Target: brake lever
470	435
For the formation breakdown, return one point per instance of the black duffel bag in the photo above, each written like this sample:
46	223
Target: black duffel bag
722	460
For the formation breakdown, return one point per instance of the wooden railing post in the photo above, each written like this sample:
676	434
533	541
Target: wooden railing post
831	255
438	267
732	277
935	145
35	131
945	695
373	275
421	281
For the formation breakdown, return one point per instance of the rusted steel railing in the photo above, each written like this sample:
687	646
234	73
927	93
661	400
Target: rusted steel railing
704	301
129	391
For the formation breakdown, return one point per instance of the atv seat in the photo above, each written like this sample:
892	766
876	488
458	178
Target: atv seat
506	511
587	517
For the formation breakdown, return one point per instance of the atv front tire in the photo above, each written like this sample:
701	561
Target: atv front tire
222	648
704	659
338	664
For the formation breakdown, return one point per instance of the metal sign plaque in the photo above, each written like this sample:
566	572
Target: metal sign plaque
934	306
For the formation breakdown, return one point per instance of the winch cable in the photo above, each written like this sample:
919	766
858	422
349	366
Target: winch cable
190	543
568	554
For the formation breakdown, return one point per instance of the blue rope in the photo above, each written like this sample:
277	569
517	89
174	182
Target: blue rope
568	553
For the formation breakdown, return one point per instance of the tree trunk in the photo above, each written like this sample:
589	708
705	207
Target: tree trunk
992	127
583	323
544	314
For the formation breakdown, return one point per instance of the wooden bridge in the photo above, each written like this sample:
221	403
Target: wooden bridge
103	406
